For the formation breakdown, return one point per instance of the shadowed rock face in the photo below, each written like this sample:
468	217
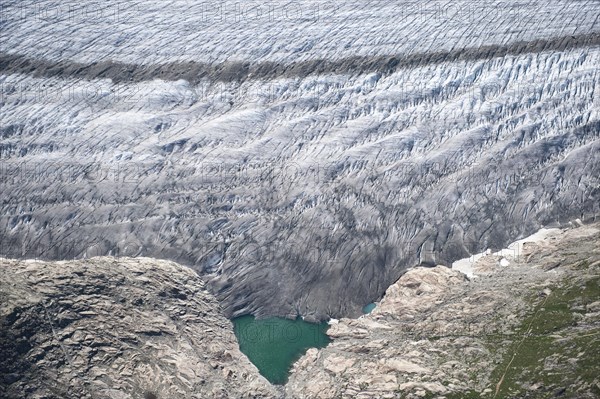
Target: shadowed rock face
297	182
102	328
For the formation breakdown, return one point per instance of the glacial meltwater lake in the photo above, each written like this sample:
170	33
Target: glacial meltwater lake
274	344
369	308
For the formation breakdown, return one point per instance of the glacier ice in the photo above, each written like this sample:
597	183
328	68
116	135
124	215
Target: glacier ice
300	157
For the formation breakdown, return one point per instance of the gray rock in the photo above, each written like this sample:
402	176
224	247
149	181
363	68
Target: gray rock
117	348
447	335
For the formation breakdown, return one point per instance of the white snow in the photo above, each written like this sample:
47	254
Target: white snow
512	251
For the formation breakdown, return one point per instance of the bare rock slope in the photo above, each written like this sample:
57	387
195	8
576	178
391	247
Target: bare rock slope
527	326
118	329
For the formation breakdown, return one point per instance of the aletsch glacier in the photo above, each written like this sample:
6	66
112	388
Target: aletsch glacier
299	161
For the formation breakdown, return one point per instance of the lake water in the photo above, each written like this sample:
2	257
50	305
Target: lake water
274	344
369	308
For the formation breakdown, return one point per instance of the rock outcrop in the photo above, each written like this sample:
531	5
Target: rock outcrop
527	326
110	328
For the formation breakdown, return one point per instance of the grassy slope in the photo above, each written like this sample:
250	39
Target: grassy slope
557	353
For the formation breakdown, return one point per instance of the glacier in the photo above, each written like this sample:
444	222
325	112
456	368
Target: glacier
299	156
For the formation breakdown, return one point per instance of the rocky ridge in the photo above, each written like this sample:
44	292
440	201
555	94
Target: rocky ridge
527	325
116	328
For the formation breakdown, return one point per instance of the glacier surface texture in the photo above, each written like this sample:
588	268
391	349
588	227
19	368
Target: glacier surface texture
299	156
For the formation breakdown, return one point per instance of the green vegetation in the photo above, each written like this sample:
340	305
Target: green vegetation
274	344
463	395
550	350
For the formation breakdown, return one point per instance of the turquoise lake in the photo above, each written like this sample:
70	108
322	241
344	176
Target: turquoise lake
369	308
274	344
